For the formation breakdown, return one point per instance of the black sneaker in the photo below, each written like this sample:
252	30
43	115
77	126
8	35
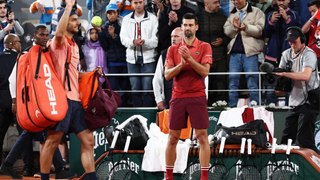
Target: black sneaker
7	170
65	175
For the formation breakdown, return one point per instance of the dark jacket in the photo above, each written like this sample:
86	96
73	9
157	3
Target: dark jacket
7	60
164	30
167	84
116	52
2	26
211	28
277	33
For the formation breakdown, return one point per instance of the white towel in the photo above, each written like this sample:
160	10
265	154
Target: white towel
232	117
154	152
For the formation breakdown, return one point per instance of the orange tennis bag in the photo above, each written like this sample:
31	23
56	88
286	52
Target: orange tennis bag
41	97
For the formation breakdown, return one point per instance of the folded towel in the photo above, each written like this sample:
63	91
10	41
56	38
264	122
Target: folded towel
154	152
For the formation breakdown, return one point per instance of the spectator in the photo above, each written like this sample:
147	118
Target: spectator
188	63
159	6
244	26
8	24
74	120
226	6
300	120
312	27
89	7
115	52
125	7
273	6
8	59
94	55
263	5
138	35
45	8
170	19
162	88
192	4
277	22
211	21
301	7
97	8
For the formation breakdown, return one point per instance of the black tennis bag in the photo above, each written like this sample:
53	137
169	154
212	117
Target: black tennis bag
139	136
255	130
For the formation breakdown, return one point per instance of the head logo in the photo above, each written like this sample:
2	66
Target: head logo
50	91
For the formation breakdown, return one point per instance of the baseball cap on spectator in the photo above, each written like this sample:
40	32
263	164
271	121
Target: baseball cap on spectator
73	12
292	35
112	7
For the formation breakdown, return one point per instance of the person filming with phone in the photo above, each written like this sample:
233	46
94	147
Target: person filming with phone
277	22
8	24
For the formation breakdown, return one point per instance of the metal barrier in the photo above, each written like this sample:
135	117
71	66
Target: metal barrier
260	89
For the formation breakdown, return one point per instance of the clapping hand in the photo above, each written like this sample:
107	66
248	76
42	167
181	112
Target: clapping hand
184	52
217	42
173	17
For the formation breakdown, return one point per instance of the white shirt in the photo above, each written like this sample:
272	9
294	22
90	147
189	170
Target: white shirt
157	82
13	81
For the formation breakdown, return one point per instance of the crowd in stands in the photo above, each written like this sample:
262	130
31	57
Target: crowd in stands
262	38
257	36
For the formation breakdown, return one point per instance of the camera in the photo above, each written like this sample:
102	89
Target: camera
279	83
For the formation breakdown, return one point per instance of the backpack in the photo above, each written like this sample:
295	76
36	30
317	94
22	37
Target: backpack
41	97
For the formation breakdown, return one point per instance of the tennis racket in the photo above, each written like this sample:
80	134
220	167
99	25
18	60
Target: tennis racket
285	170
270	167
121	169
193	170
218	170
105	162
233	172
249	169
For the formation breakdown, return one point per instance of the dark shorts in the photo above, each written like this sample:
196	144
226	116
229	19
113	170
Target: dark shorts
74	120
195	107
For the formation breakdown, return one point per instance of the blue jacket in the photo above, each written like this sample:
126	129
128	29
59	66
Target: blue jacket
277	33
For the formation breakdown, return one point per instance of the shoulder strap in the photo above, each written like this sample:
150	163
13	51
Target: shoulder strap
38	64
68	60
